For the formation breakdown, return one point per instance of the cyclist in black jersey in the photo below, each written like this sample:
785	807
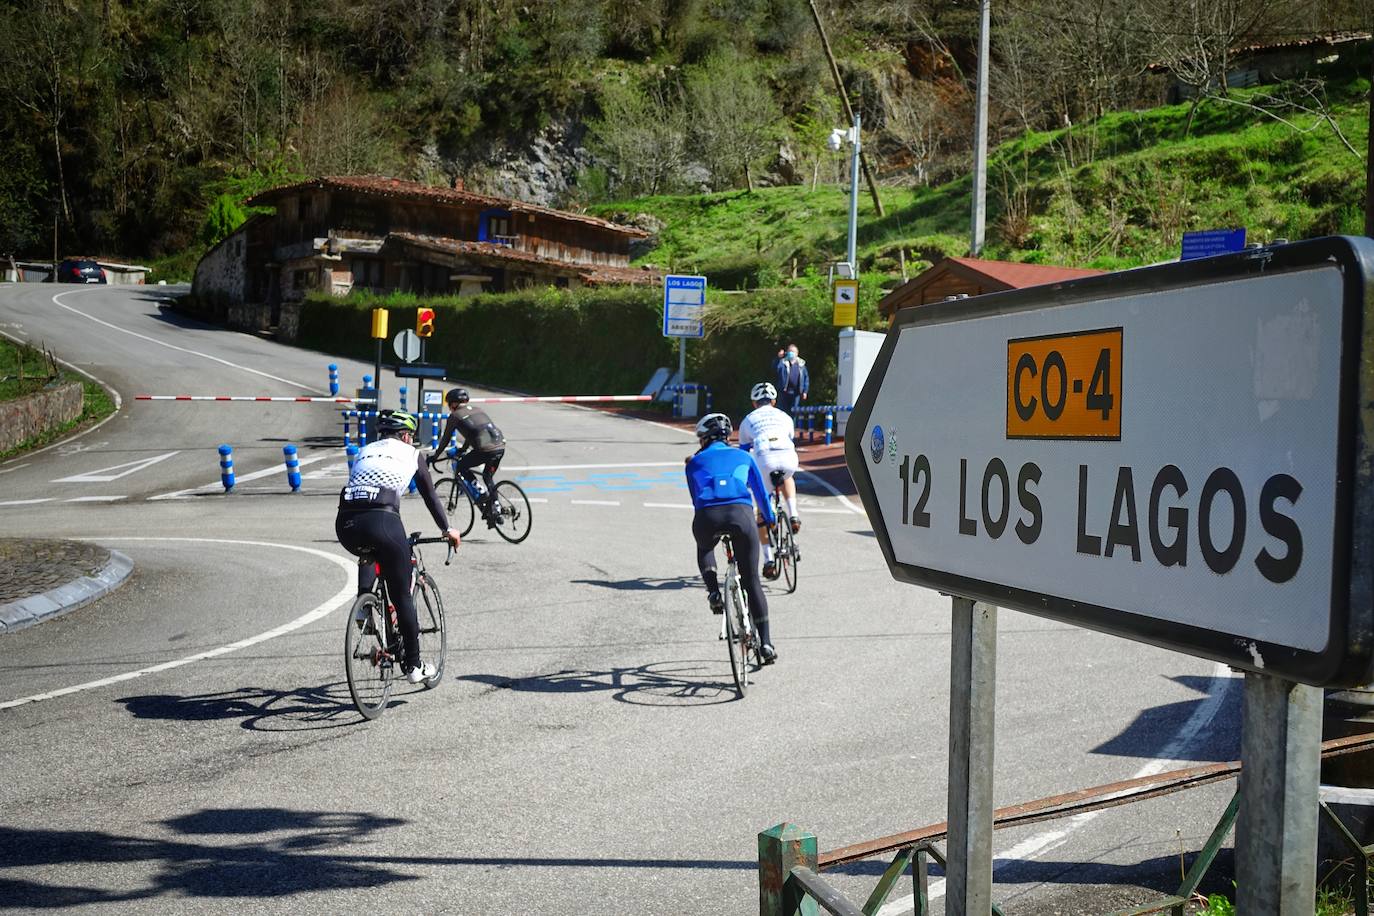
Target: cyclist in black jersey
369	521
483	444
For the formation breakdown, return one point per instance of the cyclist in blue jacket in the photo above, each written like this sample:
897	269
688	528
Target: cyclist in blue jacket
725	485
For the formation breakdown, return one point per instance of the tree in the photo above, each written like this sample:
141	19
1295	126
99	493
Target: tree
642	134
734	120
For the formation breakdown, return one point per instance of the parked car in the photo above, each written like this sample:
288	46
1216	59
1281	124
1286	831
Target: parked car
74	270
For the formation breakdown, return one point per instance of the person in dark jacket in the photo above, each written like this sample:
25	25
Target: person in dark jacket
483	443
794	381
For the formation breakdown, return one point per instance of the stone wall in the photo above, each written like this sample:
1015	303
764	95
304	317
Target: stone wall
26	417
222	275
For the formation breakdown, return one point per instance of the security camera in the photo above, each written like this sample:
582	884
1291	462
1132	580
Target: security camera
836	140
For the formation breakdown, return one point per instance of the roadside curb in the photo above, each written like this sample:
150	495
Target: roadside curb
55	602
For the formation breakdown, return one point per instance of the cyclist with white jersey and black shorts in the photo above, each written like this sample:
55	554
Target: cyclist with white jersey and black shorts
369	522
768	433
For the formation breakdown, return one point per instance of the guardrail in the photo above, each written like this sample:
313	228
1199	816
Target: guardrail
790	866
805	419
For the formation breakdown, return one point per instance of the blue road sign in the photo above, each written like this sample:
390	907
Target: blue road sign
684	306
1212	242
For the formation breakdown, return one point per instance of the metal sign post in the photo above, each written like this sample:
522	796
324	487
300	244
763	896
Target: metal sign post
972	692
1176	455
684	314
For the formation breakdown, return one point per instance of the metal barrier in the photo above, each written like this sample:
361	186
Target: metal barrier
804	419
679	390
790	866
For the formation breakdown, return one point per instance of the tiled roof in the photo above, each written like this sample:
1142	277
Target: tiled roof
1018	276
589	273
383	186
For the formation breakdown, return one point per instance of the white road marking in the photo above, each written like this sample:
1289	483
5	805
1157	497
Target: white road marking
238	479
344	594
668	505
15	468
104	476
807	510
842	498
163	343
536	499
26	502
1051	839
570	467
95	499
595	502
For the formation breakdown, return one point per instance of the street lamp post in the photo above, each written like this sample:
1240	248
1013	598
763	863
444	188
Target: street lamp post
838	137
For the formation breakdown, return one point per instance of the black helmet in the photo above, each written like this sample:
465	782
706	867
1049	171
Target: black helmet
713	426
456	396
391	422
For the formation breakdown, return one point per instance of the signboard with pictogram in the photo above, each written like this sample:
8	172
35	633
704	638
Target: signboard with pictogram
1173	455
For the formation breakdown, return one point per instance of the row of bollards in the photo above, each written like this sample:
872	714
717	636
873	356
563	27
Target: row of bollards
289	453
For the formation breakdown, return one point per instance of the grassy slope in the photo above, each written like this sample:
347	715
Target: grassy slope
1115	193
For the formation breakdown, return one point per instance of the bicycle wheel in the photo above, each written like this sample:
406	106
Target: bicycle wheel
458	504
734	640
366	662
514	519
429	612
787	555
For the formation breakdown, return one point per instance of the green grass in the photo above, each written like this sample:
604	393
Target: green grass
96	404
1114	193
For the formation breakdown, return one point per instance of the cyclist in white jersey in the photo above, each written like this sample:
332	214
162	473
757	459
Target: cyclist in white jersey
768	433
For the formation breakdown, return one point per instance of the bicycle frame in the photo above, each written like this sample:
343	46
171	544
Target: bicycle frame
732	582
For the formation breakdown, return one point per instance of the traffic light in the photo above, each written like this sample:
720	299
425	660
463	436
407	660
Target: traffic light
424	322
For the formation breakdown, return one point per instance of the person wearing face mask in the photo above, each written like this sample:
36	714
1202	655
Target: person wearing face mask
793	379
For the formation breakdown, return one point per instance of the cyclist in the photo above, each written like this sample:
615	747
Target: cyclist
483	443
723	483
769	432
369	521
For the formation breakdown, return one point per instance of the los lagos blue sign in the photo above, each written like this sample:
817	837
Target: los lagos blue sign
684	306
1212	242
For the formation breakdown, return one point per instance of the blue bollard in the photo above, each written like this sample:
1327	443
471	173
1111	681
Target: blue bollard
403	397
829	426
333	380
293	467
346	415
708	397
434	433
362	427
226	467
351	452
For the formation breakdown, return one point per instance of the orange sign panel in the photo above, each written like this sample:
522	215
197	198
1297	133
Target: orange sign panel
1067	386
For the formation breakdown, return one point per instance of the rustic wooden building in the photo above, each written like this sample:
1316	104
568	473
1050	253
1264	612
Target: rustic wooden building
348	232
973	277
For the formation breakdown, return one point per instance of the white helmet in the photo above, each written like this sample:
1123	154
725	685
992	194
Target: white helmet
763	391
713	426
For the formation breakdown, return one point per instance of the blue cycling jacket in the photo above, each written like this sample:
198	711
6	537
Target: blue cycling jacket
719	475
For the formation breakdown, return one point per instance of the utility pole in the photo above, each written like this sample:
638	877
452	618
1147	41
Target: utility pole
980	135
844	100
1369	160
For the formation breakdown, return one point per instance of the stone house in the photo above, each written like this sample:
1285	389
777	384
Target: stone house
385	234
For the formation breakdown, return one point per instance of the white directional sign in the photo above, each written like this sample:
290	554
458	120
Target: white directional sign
684	306
1165	454
407	345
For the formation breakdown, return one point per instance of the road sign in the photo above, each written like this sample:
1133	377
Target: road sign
1212	242
433	399
419	370
684	306
1172	454
407	345
846	303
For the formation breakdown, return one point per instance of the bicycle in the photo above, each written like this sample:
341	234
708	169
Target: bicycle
372	636
512	518
736	628
786	553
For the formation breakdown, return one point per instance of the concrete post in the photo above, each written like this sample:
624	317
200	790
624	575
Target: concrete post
972	691
1276	830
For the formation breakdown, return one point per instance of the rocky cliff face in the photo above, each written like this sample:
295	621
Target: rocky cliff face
541	171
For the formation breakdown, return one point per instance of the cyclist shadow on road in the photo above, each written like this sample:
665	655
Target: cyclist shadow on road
675	683
199	858
257	708
643	583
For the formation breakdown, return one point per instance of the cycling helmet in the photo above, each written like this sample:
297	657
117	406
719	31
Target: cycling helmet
713	426
763	391
391	422
456	396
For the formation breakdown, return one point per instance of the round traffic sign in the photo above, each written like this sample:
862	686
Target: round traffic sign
407	345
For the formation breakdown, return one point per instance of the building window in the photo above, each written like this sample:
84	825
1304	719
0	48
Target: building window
495	226
366	272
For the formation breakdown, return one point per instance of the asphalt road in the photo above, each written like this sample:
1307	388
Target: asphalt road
585	754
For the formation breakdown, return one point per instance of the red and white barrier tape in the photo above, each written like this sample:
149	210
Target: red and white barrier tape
502	400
